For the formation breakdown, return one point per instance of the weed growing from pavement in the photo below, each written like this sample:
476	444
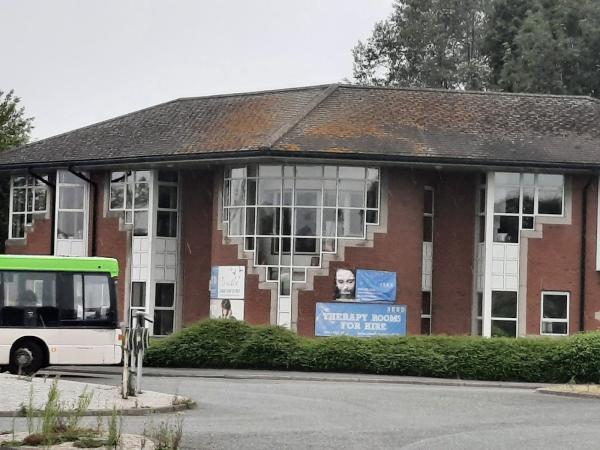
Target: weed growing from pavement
115	423
166	435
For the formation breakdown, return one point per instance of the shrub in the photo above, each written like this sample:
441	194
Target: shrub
235	344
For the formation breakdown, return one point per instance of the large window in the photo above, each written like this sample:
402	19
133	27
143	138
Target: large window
70	222
289	216
28	196
555	313
519	198
166	214
164	308
52	299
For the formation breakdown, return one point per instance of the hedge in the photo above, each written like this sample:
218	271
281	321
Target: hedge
235	344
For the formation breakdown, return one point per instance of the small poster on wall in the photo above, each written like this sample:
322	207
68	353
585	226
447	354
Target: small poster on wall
227	282
226	309
365	286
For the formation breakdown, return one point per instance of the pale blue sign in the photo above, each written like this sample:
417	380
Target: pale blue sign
373	286
362	320
214	282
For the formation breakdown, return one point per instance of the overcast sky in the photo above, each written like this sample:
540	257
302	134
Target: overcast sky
77	62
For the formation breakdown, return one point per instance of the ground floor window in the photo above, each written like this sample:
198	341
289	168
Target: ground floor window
555	313
504	313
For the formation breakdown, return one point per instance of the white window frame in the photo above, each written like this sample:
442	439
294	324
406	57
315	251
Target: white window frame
547	319
84	210
34	187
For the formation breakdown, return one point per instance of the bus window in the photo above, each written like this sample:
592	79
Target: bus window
97	297
25	289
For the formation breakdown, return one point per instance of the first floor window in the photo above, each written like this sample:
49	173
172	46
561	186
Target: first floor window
164	308
28	196
555	313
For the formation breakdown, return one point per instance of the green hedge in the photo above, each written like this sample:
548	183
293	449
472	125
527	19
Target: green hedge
235	344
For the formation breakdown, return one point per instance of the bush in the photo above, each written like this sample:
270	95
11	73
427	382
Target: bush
235	344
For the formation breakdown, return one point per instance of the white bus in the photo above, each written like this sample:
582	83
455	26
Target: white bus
57	310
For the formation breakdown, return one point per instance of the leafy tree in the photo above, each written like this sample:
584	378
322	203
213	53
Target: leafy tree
545	46
426	43
14	131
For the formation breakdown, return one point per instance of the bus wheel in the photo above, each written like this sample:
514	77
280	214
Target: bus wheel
26	358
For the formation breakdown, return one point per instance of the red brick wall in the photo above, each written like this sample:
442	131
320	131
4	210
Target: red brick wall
554	263
453	247
196	242
257	306
111	242
400	251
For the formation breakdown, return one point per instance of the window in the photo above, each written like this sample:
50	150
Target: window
426	283
130	193
555	313
166	215
70	223
28	196
289	215
164	308
519	198
504	314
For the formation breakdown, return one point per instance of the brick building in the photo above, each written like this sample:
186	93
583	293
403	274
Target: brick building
482	205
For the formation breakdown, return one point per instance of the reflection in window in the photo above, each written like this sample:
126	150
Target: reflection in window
70	222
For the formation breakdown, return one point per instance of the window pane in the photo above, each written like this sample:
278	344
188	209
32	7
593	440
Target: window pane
166	224
330	172
555	306
550	201
238	172
250	221
329	192
427	229
250	192
269	192
504	328
269	171
287	221
97	297
18	226
142	192
19	196
138	294
506	200
479	304
482	195
284	282
308	192
165	295
167	197
29	200
428	202
352	172
305	246
351	193
237	192
117	196
481	228
527	223
504	178
142	176
70	225
425	325
555	327
267	221
350	223
309	171
288	191
373	174
329	222
71	197
504	304
550	180
68	178
506	229
306	222
19	181
267	251
163	322
140	223
528	195
236	224
426	303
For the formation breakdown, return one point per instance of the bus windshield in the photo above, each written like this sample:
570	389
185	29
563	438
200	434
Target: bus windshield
54	299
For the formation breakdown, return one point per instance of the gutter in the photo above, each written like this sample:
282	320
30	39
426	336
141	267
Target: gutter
583	258
268	152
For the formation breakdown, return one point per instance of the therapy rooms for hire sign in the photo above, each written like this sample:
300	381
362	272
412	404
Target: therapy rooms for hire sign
362	320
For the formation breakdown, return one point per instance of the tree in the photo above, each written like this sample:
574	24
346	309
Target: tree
426	43
547	46
14	131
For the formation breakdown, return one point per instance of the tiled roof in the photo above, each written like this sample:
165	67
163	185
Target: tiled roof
350	121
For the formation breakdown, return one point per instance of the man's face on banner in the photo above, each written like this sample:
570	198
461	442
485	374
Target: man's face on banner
345	283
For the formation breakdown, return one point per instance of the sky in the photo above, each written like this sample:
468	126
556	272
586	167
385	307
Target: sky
77	62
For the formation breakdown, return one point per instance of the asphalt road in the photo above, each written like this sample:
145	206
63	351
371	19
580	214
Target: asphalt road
263	414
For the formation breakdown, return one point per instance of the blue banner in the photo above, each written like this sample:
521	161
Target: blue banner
355	319
373	286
